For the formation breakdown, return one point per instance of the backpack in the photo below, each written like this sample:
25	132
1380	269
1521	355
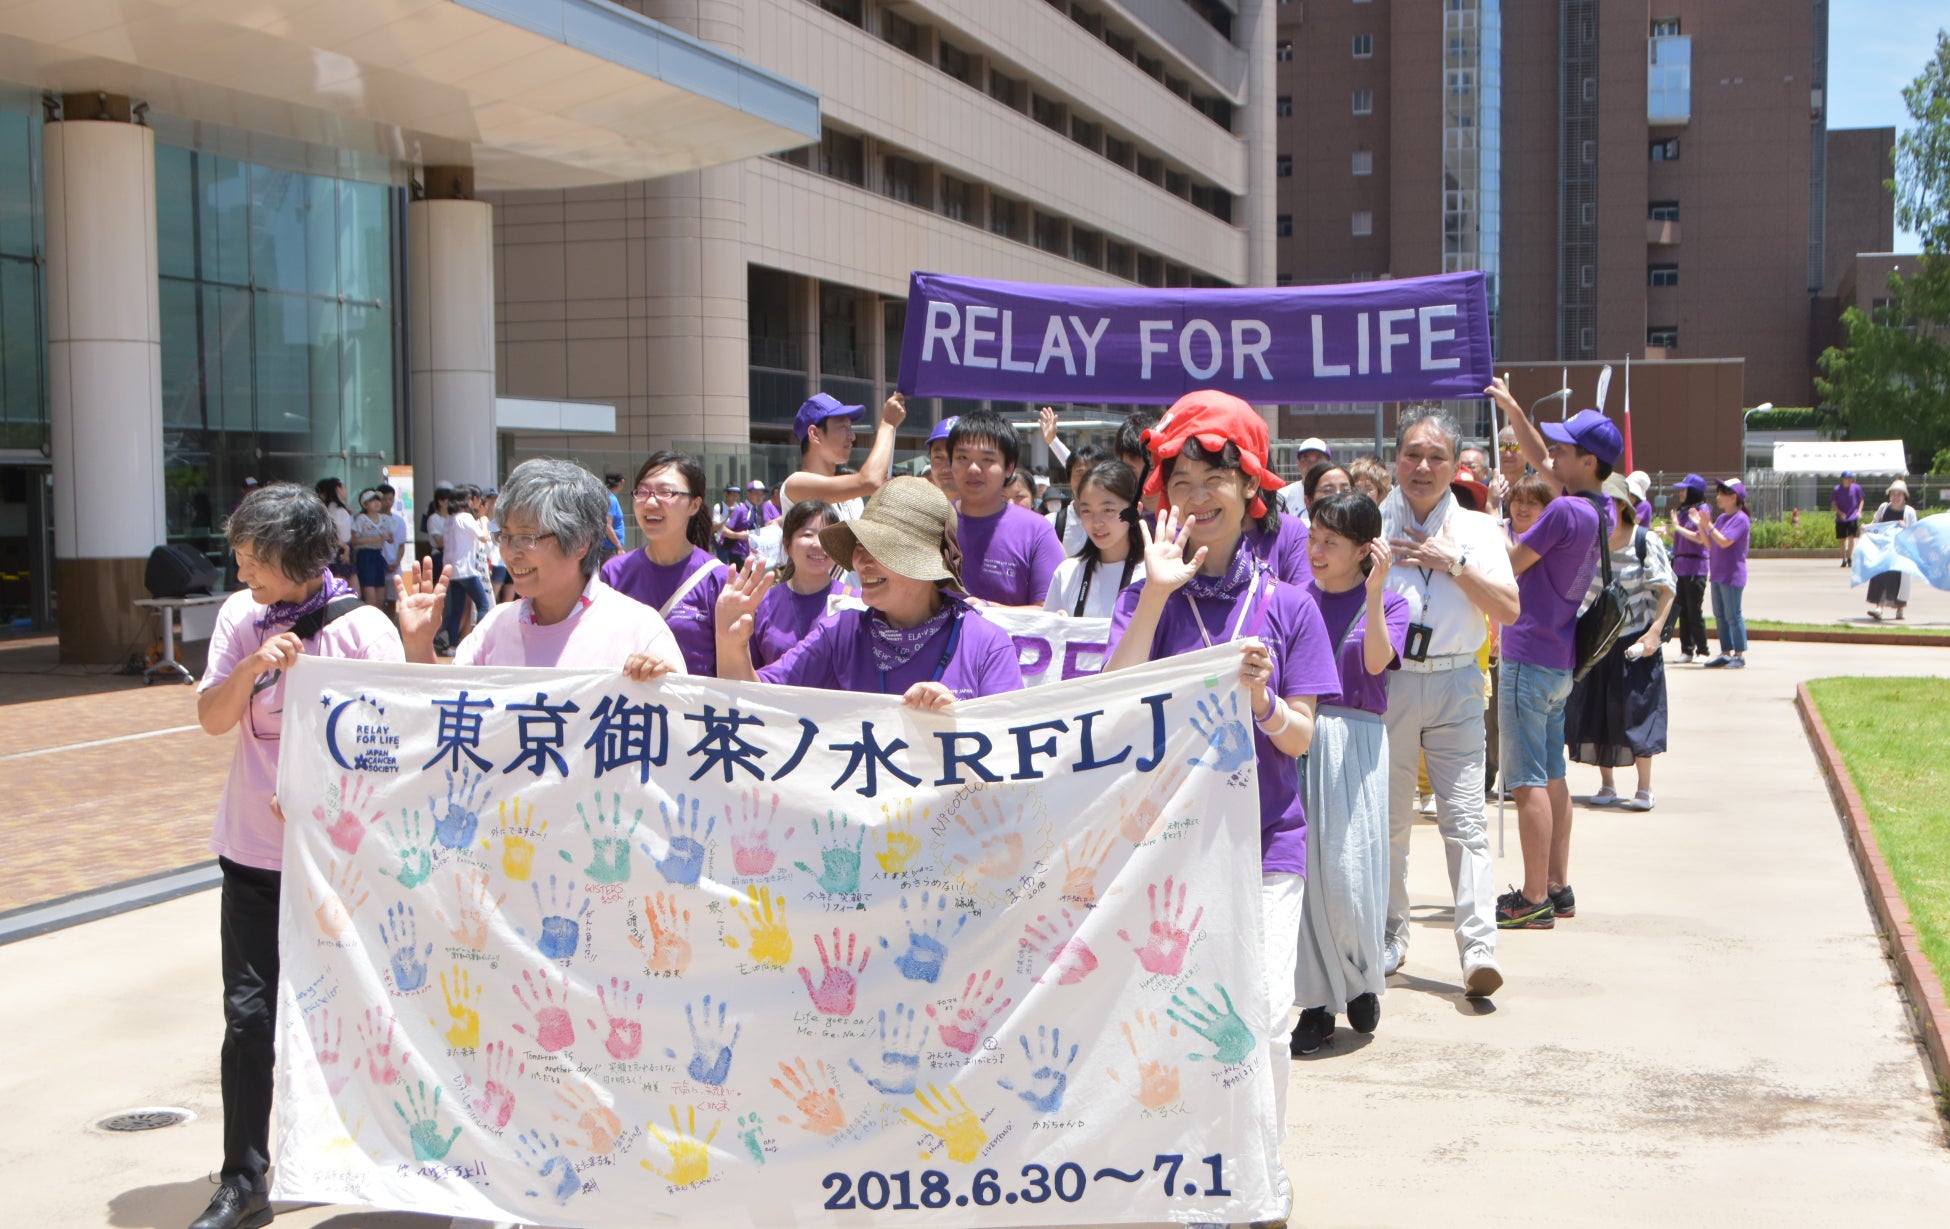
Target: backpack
1599	626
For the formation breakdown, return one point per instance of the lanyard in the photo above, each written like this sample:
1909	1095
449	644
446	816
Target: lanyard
1255	595
1090	569
947	653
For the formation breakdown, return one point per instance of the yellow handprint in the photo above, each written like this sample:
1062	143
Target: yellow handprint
690	1157
517	850
960	1130
901	844
461	995
764	915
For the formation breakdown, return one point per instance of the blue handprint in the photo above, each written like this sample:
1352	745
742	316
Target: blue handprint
684	863
710	1048
1230	742
900	1053
550	1164
422	1118
1049	1070
400	934
927	945
839	866
409	840
561	931
462	814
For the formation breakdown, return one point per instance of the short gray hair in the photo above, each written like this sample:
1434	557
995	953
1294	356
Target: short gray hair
1430	416
287	527
562	499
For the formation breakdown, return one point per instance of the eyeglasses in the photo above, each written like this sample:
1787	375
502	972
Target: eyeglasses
662	494
1510	448
521	542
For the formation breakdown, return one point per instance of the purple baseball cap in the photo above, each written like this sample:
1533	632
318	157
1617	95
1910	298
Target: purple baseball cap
1693	480
1733	484
818	408
1589	430
942	428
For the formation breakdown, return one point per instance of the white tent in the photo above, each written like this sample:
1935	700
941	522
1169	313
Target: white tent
1860	457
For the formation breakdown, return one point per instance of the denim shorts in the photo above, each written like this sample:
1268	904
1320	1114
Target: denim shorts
1530	703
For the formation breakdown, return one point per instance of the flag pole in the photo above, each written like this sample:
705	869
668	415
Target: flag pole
1496	421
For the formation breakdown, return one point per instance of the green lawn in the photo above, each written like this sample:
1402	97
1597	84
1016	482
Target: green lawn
1775	625
1891	733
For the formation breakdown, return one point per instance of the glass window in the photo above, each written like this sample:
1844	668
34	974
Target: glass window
1363	222
1283	227
1662	275
1364	162
21	386
1364	102
1664	26
1666	335
1363	46
294	232
1663	211
1283	166
1283	50
1283	107
1666	150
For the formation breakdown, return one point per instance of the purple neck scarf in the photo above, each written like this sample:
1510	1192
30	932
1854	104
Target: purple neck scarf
894	647
283	614
1229	584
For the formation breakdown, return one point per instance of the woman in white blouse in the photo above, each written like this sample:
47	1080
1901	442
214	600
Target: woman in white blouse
1106	504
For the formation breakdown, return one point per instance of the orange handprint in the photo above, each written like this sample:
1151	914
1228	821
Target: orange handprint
1157	1080
818	1100
670	935
1080	876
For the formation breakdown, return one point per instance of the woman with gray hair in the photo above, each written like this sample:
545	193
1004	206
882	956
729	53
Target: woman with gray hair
292	604
552	516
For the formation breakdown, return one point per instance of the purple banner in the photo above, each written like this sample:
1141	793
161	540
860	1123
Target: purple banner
1418	338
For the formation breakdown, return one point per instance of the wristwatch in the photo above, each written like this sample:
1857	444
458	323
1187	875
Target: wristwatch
1462	561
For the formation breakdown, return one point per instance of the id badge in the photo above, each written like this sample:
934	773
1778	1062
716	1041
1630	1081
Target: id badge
1416	646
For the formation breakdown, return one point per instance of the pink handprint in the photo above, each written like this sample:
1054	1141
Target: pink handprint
347	830
1070	958
965	1028
1164	950
752	854
625	1030
496	1104
382	1064
834	995
554	1030
327	1035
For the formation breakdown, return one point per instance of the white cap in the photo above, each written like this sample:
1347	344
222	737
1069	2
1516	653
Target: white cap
1314	443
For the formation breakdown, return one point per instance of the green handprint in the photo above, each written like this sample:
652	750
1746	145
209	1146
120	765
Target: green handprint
410	841
839	866
609	841
751	1130
422	1123
1231	1040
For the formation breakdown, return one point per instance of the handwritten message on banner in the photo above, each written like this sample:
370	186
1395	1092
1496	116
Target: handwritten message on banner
567	949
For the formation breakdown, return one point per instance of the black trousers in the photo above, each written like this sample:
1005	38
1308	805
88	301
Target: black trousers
249	921
1689	614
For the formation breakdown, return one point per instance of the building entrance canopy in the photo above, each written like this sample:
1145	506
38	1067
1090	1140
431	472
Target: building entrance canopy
531	93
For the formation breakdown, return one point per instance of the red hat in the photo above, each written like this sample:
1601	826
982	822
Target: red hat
1214	419
1474	485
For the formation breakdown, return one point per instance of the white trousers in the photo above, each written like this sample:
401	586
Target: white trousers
1440	716
1282	899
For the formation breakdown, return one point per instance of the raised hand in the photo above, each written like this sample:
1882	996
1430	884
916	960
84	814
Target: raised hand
1069	957
690	1157
1048	1066
837	979
1164	947
959	1129
422	602
625	1038
710	1045
737	609
1046	419
1165	564
893	412
609	840
816	1099
901	1042
1380	560
1231	1040
927	939
968	1022
763	914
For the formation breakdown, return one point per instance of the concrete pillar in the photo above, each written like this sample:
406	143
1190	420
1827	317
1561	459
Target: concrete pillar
104	347
1257	32
450	330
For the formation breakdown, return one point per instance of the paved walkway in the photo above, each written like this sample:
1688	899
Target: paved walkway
1818	591
1716	1039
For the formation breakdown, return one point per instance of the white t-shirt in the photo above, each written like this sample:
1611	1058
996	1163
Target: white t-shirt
1102	602
463	537
1436	599
399	538
341	521
1073	533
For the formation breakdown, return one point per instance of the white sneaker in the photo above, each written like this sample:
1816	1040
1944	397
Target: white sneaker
1605	797
1482	976
1394	954
1642	801
1425	805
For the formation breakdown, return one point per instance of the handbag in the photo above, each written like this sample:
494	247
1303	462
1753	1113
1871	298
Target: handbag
1600	624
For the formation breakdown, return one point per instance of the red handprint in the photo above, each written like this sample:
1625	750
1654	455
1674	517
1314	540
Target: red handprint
837	983
965	1028
496	1104
327	1035
625	1031
554	1030
752	854
1164	950
1070	958
347	829
382	1064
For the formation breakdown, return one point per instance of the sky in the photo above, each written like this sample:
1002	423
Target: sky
1875	48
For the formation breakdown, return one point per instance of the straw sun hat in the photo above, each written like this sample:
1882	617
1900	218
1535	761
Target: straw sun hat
906	527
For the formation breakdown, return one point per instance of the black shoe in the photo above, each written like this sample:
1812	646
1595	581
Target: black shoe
238	1204
1564	902
1516	912
1316	1028
1364	1012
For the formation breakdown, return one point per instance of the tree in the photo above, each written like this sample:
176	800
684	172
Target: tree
1892	378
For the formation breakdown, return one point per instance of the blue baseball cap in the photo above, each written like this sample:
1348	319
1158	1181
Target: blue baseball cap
1589	430
942	428
817	409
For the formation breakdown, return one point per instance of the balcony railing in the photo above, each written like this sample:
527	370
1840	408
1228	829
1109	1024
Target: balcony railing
1661	233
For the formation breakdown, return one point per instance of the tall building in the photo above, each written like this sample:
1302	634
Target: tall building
1067	141
1646	178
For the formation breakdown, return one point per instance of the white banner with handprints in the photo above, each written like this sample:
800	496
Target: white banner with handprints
1053	647
577	951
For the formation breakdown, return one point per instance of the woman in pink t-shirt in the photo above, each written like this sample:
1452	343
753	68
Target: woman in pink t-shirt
285	542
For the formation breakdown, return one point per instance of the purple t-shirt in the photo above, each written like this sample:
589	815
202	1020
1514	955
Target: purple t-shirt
1008	557
1303	665
837	655
1688	556
1285	552
739	520
783	618
1643	510
1728	564
694	619
1338	611
1847	500
1550	590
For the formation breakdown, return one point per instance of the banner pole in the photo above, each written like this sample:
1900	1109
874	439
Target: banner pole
1496	421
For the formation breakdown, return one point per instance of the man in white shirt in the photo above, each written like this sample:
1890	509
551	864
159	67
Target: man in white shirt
1452	566
466	534
399	535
